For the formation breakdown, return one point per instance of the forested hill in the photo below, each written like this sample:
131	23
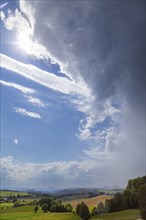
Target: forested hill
134	185
133	197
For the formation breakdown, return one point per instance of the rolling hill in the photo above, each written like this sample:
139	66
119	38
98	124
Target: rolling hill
91	202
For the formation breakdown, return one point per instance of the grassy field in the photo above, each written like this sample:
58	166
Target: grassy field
90	202
131	214
4	193
27	213
5	205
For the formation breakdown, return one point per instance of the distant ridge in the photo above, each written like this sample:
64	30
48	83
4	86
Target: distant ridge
66	191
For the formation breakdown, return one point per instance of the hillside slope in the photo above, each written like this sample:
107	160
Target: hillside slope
91	202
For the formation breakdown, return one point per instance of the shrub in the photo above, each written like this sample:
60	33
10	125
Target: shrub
45	207
36	209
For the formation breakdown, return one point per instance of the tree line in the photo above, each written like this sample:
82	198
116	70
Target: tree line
49	204
133	197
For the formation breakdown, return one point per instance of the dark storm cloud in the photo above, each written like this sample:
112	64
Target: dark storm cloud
103	43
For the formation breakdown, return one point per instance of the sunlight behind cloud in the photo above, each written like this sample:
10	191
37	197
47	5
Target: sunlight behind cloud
24	42
16	21
27	44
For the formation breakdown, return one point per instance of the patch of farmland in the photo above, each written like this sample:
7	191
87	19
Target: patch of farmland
91	202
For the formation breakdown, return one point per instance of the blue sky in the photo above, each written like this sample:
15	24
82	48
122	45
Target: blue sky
72	93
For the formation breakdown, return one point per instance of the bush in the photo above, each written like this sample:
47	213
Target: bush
36	208
45	207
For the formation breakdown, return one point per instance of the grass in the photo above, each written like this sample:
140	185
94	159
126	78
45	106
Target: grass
21	209
27	213
4	193
130	214
6	204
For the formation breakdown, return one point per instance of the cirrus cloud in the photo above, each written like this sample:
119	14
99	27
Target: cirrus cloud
23	89
24	112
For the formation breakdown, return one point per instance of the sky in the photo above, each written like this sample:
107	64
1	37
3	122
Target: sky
72	93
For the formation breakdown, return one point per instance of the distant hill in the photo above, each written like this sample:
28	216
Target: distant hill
68	193
89	192
75	193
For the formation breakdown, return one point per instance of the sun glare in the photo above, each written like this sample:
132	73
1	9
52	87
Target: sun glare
30	46
24	42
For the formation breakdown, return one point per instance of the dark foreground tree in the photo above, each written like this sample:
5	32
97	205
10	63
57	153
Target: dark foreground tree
78	209
142	201
100	208
107	206
83	211
118	202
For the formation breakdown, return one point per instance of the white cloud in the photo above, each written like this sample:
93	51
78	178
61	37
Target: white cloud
3	5
24	34
95	169
2	15
36	101
71	170
27	113
16	141
51	81
96	117
23	89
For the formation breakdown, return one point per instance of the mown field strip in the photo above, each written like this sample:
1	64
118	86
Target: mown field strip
90	202
131	214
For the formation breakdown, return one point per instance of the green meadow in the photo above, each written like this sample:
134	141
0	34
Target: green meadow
130	214
5	205
27	213
4	193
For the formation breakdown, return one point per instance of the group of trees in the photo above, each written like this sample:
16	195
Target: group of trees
49	204
18	204
9	198
134	196
100	209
